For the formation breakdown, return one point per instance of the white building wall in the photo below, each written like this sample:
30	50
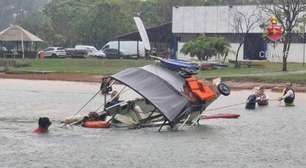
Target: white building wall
297	53
232	54
211	19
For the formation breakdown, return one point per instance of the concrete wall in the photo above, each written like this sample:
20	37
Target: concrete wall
273	54
296	53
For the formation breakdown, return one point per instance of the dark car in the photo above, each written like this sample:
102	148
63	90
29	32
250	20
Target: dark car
112	53
76	53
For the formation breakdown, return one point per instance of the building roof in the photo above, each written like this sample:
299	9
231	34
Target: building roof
212	19
17	33
161	33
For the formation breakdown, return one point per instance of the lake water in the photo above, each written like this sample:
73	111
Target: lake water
272	136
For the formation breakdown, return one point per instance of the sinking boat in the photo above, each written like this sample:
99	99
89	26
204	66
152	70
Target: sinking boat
168	97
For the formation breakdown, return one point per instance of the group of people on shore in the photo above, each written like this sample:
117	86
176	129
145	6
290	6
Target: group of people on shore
261	99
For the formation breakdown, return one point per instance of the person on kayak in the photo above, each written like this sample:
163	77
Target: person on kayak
43	125
288	95
262	99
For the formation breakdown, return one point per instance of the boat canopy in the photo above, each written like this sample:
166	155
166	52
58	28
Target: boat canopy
159	86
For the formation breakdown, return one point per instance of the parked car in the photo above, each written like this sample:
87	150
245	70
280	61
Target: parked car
112	53
130	48
2	48
76	53
91	51
53	52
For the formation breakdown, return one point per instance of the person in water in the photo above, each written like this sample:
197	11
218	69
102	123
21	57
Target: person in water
251	101
43	125
288	95
262	99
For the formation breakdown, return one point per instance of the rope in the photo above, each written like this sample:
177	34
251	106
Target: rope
223	107
233	105
87	103
214	109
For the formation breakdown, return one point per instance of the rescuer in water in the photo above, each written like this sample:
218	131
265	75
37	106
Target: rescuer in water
288	95
43	125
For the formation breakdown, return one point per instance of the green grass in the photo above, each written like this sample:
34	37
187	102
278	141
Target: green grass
263	69
82	66
294	78
267	72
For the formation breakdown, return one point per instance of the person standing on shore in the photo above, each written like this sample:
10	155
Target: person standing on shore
288	95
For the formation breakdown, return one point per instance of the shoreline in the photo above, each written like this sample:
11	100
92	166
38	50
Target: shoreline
234	85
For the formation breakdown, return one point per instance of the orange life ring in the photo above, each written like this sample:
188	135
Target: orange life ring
97	124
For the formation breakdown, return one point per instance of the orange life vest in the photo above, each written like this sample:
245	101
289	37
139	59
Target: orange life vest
202	91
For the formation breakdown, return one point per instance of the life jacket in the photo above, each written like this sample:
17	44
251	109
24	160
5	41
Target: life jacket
251	102
202	91
290	99
40	130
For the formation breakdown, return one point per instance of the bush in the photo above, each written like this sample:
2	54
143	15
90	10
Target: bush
206	47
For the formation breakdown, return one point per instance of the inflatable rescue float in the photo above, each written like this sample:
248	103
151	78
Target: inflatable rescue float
97	124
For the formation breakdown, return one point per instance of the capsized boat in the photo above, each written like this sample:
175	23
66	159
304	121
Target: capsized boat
169	97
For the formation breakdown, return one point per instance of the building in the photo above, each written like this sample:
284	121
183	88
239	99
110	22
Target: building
189	22
17	42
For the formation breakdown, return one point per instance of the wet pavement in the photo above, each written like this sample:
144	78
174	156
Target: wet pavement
272	136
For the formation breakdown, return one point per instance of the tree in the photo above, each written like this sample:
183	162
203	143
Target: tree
244	23
93	22
15	11
206	47
222	47
107	20
289	13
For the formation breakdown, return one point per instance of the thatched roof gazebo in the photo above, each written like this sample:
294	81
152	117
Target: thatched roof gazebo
15	41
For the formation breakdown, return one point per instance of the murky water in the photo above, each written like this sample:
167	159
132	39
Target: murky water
272	136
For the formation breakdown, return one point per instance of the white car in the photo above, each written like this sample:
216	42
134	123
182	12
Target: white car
3	48
53	52
92	51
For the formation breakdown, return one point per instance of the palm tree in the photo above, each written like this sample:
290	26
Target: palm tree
206	47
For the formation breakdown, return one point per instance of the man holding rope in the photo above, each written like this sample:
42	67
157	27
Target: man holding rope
288	95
